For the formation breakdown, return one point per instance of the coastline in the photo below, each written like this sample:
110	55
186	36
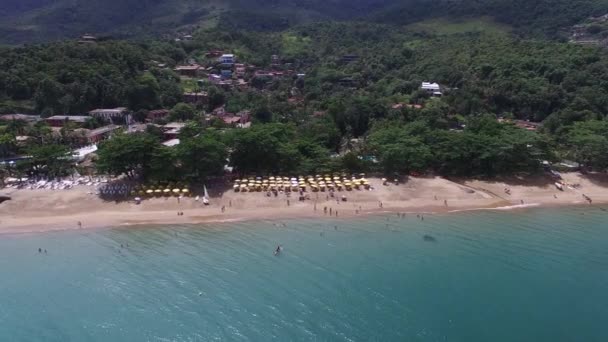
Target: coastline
35	211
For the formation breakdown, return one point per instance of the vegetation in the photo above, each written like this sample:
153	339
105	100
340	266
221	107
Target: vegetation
356	105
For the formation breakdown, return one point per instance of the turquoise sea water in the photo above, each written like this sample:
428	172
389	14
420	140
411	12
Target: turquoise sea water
537	275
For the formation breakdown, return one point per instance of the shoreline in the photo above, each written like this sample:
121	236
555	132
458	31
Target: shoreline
38	211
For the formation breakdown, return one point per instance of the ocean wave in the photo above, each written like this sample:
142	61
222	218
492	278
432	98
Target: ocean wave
508	207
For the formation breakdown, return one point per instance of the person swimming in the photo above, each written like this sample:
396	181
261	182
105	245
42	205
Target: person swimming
278	250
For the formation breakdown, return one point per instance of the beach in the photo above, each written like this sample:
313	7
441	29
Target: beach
39	210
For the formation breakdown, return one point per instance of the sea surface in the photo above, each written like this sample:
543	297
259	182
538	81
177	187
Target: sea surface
525	275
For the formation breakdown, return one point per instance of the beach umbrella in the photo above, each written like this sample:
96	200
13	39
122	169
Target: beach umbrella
167	191
185	191
149	191
176	191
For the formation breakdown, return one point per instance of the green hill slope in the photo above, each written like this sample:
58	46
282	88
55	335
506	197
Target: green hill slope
44	20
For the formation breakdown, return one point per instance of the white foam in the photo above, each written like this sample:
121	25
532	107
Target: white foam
508	207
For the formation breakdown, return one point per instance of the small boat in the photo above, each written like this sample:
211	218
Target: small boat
205	196
559	186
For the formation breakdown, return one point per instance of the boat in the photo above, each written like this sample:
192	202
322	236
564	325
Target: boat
205	196
559	186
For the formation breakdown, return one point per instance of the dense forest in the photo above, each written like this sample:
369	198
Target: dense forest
43	20
364	113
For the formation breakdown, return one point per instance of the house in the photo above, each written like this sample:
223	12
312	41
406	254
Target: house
87	39
20	117
226	74
527	125
188	70
213	53
172	129
240	119
275	60
227	59
60	120
196	98
171	142
239	70
214	78
157	114
109	114
431	88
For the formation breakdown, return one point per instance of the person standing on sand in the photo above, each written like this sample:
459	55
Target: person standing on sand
325	210
445	202
380	204
336	213
288	203
79	225
223	208
330	212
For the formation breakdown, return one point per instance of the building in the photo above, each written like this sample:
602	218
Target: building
431	88
157	114
61	120
20	117
188	70
87	39
172	129
171	142
239	70
196	98
99	134
275	60
226	74
227	59
214	78
109	114
214	53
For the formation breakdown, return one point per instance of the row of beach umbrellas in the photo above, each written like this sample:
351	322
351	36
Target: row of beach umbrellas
316	183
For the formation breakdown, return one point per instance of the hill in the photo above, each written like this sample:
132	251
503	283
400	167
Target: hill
44	20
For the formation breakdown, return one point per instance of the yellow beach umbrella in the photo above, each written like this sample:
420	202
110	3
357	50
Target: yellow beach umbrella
185	191
149	191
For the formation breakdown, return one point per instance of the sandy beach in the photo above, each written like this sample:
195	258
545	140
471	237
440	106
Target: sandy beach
47	210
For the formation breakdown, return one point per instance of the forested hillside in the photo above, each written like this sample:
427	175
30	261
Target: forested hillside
43	20
351	88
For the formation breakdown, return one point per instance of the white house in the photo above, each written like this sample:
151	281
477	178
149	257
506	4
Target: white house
227	59
108	114
431	88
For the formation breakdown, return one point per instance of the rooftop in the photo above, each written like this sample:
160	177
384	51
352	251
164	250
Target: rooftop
102	130
172	142
24	117
78	118
108	110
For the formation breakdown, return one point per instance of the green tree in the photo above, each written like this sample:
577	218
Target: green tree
588	143
265	148
50	160
182	112
201	157
128	154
